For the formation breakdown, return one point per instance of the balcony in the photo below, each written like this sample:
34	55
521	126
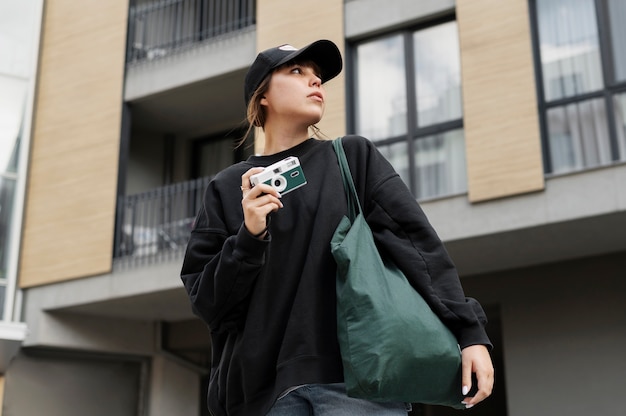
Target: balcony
159	28
154	226
186	62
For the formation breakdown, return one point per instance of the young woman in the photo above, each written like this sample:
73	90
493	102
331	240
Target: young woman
258	266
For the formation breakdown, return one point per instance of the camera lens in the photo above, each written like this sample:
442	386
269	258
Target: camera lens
279	183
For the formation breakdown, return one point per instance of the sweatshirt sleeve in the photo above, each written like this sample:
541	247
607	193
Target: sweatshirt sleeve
403	233
220	268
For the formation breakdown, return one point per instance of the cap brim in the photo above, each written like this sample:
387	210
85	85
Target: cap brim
323	53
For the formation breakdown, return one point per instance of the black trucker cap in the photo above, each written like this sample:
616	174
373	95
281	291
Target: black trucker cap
323	52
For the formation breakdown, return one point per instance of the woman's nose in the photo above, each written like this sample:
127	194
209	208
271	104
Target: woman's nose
316	80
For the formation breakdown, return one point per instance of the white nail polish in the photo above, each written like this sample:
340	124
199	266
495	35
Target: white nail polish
465	390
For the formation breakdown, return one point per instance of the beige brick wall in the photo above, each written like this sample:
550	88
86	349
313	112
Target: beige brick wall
499	100
300	23
71	193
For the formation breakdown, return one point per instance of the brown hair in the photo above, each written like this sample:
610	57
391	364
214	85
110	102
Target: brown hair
255	113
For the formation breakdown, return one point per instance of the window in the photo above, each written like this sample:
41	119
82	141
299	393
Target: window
408	101
11	115
582	82
620	121
19	37
214	153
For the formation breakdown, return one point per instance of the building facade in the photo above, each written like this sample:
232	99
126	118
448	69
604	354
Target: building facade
506	119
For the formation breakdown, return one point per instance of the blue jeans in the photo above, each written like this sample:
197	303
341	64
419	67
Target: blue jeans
331	400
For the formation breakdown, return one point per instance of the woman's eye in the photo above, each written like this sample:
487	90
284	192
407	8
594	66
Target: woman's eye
296	70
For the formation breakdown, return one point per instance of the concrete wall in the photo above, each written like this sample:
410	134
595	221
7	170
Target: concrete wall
362	21
235	52
564	335
114	316
59	385
62	384
175	390
576	216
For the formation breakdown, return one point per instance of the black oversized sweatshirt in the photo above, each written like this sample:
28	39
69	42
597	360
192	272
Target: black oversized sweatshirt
270	304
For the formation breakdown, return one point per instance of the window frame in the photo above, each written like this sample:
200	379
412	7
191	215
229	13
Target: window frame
414	132
611	86
233	136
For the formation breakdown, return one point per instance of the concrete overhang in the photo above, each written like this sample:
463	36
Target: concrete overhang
153	292
577	215
11	336
191	90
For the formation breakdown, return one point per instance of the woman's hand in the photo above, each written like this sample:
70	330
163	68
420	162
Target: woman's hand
258	203
476	359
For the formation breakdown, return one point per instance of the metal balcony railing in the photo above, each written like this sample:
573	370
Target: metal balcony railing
155	225
157	28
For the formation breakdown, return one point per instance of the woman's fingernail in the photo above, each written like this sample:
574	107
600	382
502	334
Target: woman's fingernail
469	406
465	390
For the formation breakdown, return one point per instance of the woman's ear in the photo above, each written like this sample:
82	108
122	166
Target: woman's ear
263	101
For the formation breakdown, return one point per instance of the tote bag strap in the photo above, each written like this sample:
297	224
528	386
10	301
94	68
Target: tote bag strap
354	207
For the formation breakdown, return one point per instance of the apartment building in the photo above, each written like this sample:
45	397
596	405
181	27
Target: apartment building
507	120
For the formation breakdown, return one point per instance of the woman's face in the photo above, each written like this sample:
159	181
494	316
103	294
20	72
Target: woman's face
295	94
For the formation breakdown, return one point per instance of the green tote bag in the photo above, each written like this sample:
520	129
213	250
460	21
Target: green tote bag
393	347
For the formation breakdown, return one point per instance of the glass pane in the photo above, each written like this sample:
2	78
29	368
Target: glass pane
570	55
440	164
381	89
438	74
620	120
617	16
397	155
3	291
7	193
18	32
578	136
13	93
214	156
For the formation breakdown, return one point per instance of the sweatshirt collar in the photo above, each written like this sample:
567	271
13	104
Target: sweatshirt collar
298	151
